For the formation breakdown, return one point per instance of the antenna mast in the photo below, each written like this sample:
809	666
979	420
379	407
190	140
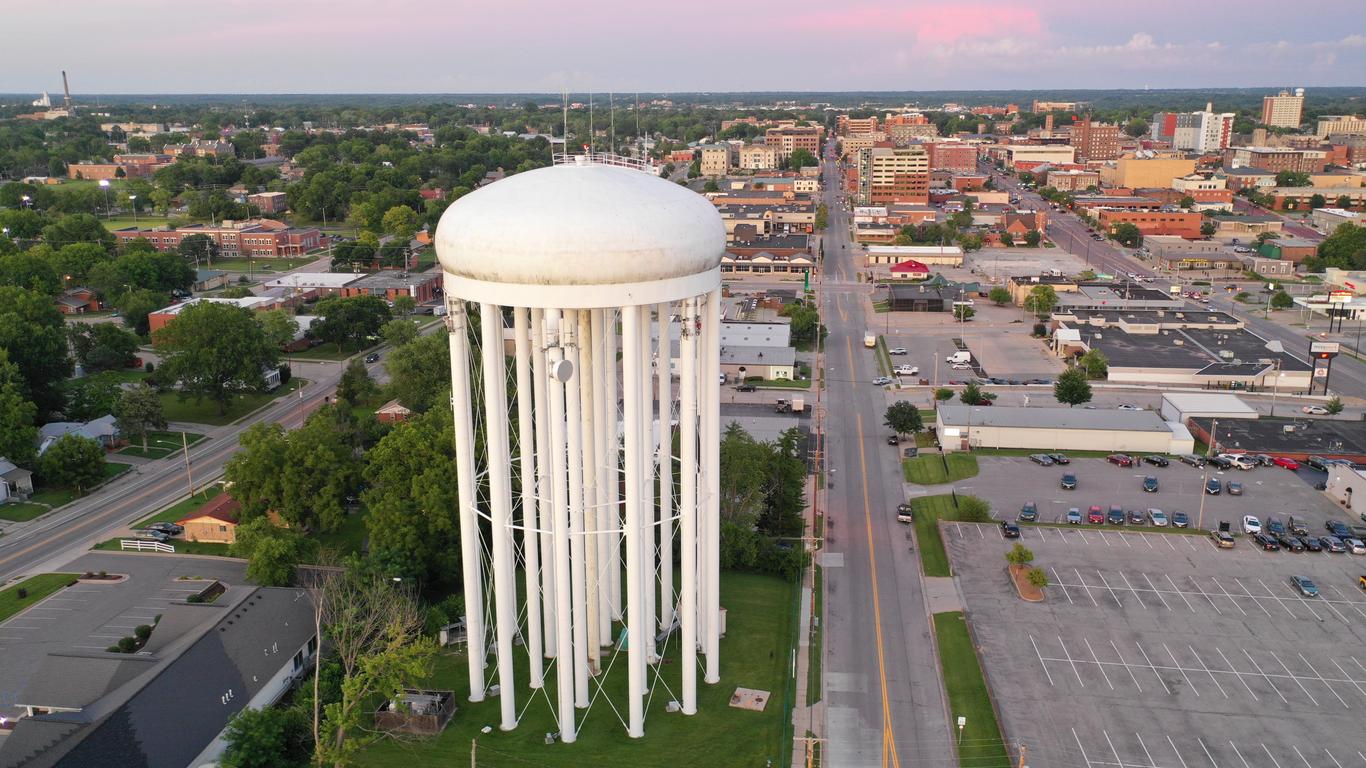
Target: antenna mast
590	122
66	91
564	104
611	122
640	140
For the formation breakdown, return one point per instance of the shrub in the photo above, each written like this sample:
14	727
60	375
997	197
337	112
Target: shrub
149	367
104	574
144	631
1020	555
943	393
127	644
973	510
1038	577
113	649
21	593
1040	330
194	599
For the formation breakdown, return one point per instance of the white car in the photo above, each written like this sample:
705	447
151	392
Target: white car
1240	460
1127	407
897	351
961	367
1355	546
882	381
1157	517
1251	524
1316	410
906	370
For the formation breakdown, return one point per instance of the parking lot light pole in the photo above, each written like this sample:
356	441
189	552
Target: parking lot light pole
1278	349
1204	478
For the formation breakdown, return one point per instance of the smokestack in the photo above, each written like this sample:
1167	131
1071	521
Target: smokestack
66	90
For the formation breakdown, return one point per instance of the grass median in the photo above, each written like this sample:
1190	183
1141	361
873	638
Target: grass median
980	742
927	511
36	588
936	469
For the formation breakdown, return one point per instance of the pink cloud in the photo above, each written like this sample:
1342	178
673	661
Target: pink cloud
945	23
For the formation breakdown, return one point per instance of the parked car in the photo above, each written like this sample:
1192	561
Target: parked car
1059	458
1220	462
1263	460
1297	526
1251	524
1213	487
1180	520
1332	544
1266	542
897	351
881	381
1068	482
1150	484
150	534
373	357
1239	460
1155	460
1290	543
1120	459
1235	488
1338	529
1094	516
1222	539
1157	517
1074	516
1135	517
1274	526
1042	459
903	513
1314	410
1356	546
1318	462
170	529
1029	513
1010	530
1304	586
1192	459
745	388
1310	543
1285	461
1128	407
1115	516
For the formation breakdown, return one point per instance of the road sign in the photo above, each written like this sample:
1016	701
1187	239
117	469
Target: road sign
1320	373
1322	347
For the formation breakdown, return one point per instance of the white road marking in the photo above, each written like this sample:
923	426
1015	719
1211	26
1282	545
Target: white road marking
1153	586
1086	587
1058	582
1127	666
1144	536
1330	757
1080	747
1145	750
1207	754
1075	671
1177	664
1239	754
1105	538
1360	690
1235	671
1265	677
1280	600
1131	589
1041	661
1212	604
1294	677
1326	684
1154	669
1177	590
1099	666
1112	589
1118	761
1273	757
1229	596
1207	670
1255	600
1301	754
1178	752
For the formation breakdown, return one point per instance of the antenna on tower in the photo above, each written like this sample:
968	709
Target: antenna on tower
66	92
640	140
590	122
564	105
612	122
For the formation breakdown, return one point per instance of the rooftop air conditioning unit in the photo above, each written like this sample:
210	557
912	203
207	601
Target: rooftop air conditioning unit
1178	342
1288	428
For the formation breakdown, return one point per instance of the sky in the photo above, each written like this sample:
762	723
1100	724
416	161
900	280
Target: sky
484	46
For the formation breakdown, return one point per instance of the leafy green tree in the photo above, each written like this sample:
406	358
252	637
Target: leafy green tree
78	228
33	335
1317	201
1187	202
903	418
355	385
198	249
401	222
78	259
273	737
711	186
303	476
138	412
963	312
1037	577
412	521
1344	202
272	553
1292	179
801	158
970	242
419	372
998	296
1136	127
351	320
404	305
973	395
1020	555
137	304
943	393
1345	248
18	435
1208	228
972	509
806	319
90	398
30	270
1007	239
278	327
1282	300
102	346
1096	364
1334	405
1072	387
1041	300
73	462
214	351
743	460
822	216
1127	234
1033	238
134	269
398	332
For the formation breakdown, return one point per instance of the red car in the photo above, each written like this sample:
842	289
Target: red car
1094	516
1285	461
1121	459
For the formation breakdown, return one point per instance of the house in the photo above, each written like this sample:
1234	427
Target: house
215	521
768	363
209	279
16	483
168	704
392	412
77	301
910	269
103	430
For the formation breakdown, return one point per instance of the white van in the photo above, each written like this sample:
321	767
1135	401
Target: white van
959	357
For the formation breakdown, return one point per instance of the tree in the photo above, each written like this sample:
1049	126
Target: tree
303	476
973	395
971	509
1208	228
214	351
1020	555
1072	387
801	158
1334	405
1292	179
998	296
420	372
198	248
1345	248
18	435
1127	234
1033	238
1037	577
138	411
1096	364
404	305
963	312
271	552
355	384
1007	239
102	346
32	333
1187	202
351	320
272	737
805	319
1136	127
30	270
137	304
970	242
1282	300
943	393
401	222
278	327
78	228
1041	300
1317	201
903	418
711	186
398	332
822	216
1344	202
73	462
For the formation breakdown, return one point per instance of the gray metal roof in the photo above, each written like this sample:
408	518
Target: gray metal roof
758	355
1051	418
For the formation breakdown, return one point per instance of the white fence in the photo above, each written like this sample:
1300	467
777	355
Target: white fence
144	545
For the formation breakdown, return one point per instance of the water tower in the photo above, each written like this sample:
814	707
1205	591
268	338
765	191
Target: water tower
578	282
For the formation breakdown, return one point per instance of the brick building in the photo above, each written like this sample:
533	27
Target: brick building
952	156
262	238
1181	224
894	175
1283	110
269	202
1276	159
1094	141
847	126
787	140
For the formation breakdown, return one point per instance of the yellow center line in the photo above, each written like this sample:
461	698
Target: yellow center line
888	735
839	305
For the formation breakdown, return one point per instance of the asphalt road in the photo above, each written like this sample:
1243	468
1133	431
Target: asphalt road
883	698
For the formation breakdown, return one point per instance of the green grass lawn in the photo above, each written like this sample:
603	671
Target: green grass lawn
347	539
931	469
884	360
48	499
981	742
161	444
816	655
754	654
783	384
927	511
122	376
206	411
38	587
180	508
263	265
329	352
181	547
22	511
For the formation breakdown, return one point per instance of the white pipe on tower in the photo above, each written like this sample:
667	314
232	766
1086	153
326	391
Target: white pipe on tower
650	511
606	442
615	421
666	473
531	561
589	434
544	524
712	457
687	501
569	343
457	325
500	506
564	631
637	625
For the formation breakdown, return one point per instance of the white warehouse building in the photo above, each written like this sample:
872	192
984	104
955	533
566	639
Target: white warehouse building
964	427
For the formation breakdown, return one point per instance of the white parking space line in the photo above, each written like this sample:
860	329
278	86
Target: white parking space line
1254	599
1354	603
1334	609
1131	589
1265	676
1295	677
1145	750
1177	664
1212	604
1330	757
1239	754
1235	671
1273	757
1177	591
1099	666
1205	666
1280	600
1153	586
1207	754
1075	671
1040	531
1081	748
1301	754
1360	690
1086	587
980	535
959	529
1154	669
1105	538
1118	761
1178	752
1146	540
1058	583
1168	539
1363	757
1083	537
96	647
1041	661
1112	589
1230	596
1127	666
1326	684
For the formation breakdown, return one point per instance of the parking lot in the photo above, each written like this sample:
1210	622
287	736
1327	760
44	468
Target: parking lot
1155	648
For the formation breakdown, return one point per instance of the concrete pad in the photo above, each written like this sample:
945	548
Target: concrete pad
749	698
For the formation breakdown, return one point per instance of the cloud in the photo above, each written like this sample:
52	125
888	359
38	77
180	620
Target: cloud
946	23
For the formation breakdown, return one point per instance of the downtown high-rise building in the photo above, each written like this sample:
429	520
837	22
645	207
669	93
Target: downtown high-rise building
1203	132
1284	110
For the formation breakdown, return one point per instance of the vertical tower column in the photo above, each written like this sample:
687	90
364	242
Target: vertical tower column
569	344
637	624
650	510
687	500
526	454
500	506
564	631
457	325
712	456
606	445
614	458
589	435
544	519
666	469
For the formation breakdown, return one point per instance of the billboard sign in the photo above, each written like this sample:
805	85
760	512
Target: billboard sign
1319	347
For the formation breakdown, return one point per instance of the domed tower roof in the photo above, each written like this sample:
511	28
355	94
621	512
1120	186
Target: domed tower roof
581	235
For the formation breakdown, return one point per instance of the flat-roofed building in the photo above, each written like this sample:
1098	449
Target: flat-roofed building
1153	222
1329	125
715	160
1054	154
787	140
894	175
1145	172
966	427
758	157
947	255
1284	110
1327	220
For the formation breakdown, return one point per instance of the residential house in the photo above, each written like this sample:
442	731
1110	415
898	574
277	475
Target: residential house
77	301
392	412
215	521
209	279
16	483
103	430
910	269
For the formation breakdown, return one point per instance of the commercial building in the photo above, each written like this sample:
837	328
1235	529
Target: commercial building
1145	172
846	125
1301	198
1294	438
1180	223
1284	110
1071	181
1327	220
787	140
715	160
894	175
1181	406
902	134
946	255
260	238
1347	486
269	202
1053	154
1329	125
1276	159
758	157
158	319
768	363
964	428
1057	106
1291	249
956	156
1094	141
1204	132
390	284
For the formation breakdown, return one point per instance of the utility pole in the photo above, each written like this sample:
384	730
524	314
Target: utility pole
185	451
1204	478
